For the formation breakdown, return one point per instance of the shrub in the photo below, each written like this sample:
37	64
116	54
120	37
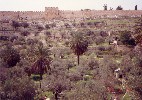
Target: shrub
126	38
74	24
69	64
40	27
10	56
132	74
67	42
87	90
89	23
101	48
14	87
4	38
47	33
109	48
103	34
30	41
25	33
90	33
57	84
75	76
132	42
82	24
92	64
99	40
53	25
67	25
13	38
47	26
25	24
15	24
20	41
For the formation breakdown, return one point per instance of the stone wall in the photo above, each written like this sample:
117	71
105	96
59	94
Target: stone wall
54	13
51	13
17	15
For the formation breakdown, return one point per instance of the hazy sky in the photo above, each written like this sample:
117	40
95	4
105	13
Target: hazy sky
39	5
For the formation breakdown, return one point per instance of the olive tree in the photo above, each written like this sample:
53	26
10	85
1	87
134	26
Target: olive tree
9	55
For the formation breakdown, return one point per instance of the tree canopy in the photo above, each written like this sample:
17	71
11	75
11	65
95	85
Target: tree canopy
79	44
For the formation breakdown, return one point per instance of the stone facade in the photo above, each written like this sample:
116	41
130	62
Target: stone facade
54	13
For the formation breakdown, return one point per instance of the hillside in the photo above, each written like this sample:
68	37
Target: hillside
89	59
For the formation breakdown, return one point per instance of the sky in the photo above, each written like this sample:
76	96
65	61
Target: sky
39	5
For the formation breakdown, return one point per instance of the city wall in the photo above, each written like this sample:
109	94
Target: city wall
54	13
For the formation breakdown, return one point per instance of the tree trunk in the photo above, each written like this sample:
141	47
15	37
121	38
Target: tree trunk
78	59
40	84
40	80
56	96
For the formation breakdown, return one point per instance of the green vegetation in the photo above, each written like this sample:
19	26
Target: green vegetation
40	60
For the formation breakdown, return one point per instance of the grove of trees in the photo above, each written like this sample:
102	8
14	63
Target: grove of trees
72	60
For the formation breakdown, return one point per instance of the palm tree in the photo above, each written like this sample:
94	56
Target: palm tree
42	64
79	44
